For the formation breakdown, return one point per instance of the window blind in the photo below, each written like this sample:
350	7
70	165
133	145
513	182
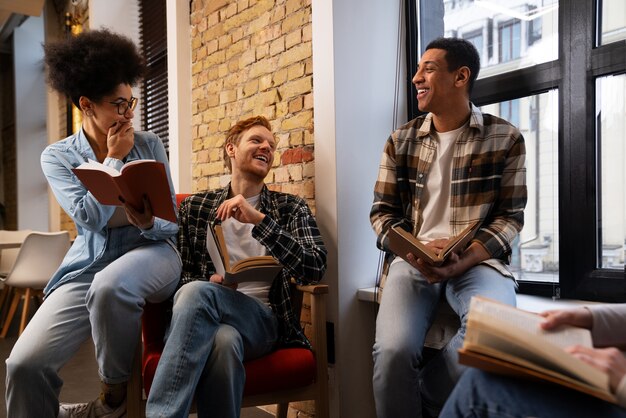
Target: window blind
153	42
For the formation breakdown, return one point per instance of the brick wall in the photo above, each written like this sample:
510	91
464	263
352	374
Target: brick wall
249	58
254	57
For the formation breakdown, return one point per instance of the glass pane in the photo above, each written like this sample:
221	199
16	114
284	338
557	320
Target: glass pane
509	34
612	23
611	121
536	251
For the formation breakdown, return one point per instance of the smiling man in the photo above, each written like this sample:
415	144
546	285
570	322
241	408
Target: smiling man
216	327
439	173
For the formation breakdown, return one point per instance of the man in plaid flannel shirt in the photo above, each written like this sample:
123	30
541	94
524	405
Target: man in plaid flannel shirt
215	326
439	173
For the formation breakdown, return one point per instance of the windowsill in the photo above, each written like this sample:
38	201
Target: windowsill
446	321
527	302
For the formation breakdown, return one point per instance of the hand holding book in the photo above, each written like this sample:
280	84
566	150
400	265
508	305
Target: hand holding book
502	339
136	180
259	268
402	243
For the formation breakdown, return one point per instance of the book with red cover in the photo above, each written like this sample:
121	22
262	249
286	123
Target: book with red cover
136	179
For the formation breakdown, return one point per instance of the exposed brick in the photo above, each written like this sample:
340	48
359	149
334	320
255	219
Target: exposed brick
237	34
281	175
297	53
293	38
293	6
295	20
308	101
295	71
307	154
262	51
299	121
227	96
295	105
295	172
292	156
307	33
309	170
278	13
277	46
256	25
247	57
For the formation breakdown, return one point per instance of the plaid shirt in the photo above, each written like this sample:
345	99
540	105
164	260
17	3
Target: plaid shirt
288	231
488	182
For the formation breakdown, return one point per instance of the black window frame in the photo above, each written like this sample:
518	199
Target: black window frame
580	62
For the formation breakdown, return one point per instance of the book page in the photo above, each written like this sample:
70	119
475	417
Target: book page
458	243
130	164
214	252
251	262
95	165
494	328
529	322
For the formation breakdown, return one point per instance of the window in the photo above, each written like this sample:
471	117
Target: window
153	37
612	22
476	38
557	71
510	42
611	140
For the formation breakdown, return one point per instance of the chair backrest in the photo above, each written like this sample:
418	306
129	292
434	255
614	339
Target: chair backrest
8	255
39	257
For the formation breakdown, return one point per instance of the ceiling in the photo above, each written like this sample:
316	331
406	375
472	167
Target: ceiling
13	13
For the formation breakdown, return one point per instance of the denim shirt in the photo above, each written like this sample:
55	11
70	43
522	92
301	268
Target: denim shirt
88	214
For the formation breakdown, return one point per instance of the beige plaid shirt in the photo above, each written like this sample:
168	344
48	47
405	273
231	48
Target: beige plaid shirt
488	182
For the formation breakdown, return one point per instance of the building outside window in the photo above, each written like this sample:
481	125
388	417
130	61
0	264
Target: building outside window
570	107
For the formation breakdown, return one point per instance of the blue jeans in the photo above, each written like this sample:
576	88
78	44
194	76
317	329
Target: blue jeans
104	302
402	383
485	395
213	330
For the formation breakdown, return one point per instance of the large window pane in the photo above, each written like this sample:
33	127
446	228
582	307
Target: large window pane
611	120
536	252
509	34
612	21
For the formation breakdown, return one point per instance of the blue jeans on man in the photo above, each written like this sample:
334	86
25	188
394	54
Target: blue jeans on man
215	329
403	385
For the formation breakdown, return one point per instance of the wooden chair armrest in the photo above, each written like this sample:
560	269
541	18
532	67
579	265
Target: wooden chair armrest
314	289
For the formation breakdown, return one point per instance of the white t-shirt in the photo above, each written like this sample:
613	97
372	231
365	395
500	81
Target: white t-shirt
238	237
436	195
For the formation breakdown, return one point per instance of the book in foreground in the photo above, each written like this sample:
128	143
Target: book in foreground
402	243
263	268
506	340
135	179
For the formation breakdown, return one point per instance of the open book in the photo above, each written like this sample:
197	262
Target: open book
136	179
260	268
402	242
506	340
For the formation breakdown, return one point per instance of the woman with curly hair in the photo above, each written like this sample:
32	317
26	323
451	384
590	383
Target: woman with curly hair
122	256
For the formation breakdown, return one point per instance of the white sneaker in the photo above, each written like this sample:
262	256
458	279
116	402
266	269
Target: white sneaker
94	409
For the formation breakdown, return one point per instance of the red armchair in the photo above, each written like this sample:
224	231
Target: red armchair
283	376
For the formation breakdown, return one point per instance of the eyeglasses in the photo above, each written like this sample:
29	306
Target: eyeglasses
124	105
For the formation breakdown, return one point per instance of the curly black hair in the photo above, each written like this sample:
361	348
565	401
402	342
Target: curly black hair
459	52
92	64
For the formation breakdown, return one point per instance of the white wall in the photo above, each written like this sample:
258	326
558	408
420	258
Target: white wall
354	55
30	124
120	16
179	93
